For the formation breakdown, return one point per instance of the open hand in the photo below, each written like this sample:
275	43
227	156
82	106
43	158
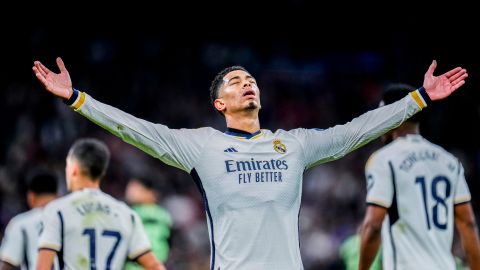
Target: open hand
442	86
58	84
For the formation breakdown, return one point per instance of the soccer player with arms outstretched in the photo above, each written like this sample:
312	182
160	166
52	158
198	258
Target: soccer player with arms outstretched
250	178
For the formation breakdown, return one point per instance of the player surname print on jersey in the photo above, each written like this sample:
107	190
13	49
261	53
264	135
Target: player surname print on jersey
414	157
92	207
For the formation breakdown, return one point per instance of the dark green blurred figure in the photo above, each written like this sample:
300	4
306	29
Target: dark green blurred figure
350	254
143	198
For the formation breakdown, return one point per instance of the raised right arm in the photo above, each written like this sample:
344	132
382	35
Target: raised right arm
180	148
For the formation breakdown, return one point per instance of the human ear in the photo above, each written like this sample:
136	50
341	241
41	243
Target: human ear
219	104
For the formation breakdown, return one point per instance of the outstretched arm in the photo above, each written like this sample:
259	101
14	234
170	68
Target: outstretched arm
176	147
333	143
437	87
467	228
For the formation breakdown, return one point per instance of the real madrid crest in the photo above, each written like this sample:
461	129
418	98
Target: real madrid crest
279	146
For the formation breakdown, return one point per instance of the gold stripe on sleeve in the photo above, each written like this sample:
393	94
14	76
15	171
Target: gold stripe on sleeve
418	99
80	101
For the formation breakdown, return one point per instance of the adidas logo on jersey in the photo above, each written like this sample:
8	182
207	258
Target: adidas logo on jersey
231	149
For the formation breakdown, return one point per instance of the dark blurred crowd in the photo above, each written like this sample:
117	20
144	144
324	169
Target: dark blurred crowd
166	81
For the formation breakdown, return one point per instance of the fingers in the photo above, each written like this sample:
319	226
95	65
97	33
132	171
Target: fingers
454	71
61	65
459	79
42	68
455	76
40	76
39	70
458	85
432	68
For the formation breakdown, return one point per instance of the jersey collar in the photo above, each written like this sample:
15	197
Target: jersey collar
242	134
414	137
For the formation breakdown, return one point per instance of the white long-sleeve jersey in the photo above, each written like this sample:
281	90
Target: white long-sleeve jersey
251	183
419	183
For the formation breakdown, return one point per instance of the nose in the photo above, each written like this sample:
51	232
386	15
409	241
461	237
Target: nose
247	83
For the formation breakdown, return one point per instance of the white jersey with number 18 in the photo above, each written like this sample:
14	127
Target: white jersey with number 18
419	182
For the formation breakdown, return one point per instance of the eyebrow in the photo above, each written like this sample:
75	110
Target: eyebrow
238	77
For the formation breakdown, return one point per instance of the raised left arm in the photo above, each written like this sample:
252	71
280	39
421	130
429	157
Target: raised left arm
325	145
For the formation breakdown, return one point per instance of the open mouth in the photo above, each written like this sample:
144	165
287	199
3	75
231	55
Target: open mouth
249	93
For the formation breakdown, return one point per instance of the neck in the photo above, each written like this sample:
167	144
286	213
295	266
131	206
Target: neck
146	198
406	129
86	183
145	202
248	122
42	200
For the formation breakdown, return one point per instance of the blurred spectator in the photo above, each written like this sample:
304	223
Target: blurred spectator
143	197
350	254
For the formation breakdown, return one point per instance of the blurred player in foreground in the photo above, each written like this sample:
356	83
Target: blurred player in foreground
143	197
89	229
19	246
417	190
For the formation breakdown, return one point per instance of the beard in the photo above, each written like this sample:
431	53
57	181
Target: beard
252	106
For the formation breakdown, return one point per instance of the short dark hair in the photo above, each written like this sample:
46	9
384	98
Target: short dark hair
42	182
396	91
218	81
146	182
93	156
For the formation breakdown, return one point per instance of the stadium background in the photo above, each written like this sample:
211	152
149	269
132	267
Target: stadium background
314	77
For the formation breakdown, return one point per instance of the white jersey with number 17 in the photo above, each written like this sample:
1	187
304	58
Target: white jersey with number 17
419	182
90	229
